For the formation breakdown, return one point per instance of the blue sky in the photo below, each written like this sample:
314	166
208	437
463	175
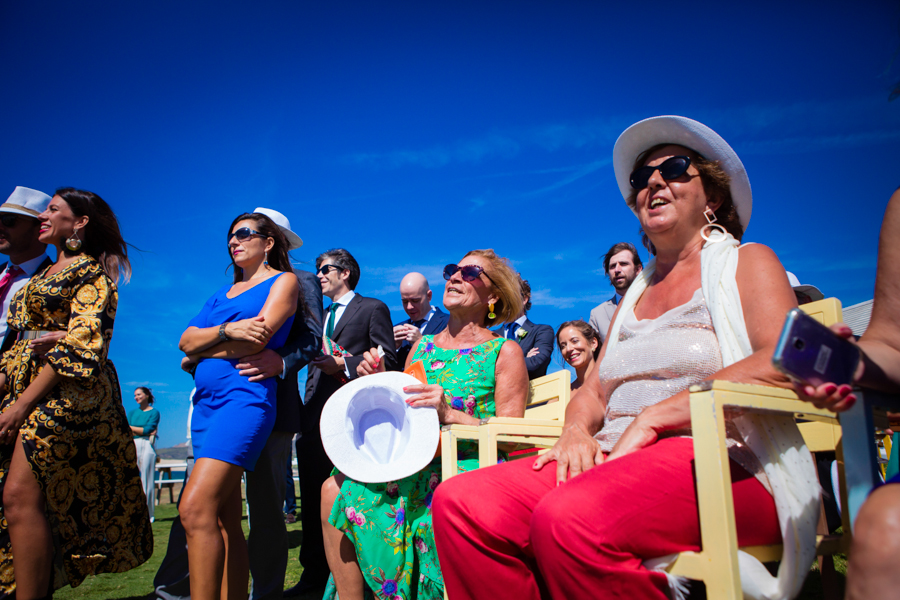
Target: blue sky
412	132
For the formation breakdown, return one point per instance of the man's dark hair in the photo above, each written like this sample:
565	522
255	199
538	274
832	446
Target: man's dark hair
526	291
621	247
344	261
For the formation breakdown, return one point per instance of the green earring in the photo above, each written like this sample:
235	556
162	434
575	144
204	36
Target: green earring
491	314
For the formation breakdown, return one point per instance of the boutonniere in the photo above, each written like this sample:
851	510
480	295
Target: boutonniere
520	333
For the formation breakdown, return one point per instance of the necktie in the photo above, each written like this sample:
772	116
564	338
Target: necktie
332	310
420	323
511	330
7	280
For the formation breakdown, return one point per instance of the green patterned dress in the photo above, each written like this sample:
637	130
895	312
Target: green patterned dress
390	523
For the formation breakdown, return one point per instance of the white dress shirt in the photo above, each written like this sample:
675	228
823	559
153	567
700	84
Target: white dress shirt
29	267
342	303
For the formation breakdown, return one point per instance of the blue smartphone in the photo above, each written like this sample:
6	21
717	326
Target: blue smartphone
811	353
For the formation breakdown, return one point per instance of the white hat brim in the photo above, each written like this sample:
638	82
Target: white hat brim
293	239
13	209
681	131
342	445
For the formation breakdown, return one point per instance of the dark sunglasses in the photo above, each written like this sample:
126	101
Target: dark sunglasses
8	220
468	272
245	233
671	168
326	269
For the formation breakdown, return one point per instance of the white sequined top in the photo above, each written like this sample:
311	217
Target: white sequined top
655	359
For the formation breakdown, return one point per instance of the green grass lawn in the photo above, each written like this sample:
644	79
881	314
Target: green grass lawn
137	583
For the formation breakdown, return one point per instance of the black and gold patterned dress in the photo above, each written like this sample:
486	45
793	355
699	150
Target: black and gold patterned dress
77	438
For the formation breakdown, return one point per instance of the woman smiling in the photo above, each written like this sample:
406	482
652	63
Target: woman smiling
579	345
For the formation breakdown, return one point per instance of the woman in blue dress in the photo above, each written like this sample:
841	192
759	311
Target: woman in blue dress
233	416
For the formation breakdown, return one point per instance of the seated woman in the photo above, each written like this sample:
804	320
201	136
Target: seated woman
871	570
233	416
386	544
579	345
618	487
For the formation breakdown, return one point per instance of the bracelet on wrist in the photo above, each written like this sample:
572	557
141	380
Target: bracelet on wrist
222	335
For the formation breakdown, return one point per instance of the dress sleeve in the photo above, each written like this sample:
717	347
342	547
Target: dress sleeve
202	318
91	316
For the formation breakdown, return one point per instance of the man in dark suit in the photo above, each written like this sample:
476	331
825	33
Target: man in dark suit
356	324
535	340
424	319
19	230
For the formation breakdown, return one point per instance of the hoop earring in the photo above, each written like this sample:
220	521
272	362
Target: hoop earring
74	242
717	233
491	314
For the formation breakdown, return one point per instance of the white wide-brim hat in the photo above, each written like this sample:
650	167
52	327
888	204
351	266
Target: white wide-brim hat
26	201
691	134
284	225
372	435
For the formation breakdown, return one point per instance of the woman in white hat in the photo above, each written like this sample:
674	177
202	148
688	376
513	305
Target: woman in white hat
378	535
618	487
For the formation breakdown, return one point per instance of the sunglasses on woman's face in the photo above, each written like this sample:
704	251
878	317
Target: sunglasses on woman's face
245	233
671	168
468	272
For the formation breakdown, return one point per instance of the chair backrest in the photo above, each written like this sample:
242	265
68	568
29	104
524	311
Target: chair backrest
826	312
548	396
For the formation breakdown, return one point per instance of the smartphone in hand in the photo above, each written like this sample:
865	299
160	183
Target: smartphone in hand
811	353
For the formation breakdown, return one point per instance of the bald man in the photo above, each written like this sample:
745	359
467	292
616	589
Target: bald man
424	319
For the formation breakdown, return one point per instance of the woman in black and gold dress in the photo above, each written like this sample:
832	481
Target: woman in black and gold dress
70	490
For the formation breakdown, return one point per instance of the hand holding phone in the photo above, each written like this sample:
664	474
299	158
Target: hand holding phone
809	352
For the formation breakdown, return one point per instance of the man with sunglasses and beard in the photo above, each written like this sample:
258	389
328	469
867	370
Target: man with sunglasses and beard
353	324
622	265
19	240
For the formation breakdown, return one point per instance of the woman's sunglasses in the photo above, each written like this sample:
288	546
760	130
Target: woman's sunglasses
245	233
671	168
468	272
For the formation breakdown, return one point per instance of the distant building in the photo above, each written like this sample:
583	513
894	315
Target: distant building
857	317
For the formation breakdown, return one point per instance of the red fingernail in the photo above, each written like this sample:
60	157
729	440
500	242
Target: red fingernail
845	389
830	388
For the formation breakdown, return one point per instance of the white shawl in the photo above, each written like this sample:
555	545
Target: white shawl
774	439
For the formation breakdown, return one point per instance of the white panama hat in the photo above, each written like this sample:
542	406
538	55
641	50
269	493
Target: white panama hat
284	225
372	435
26	201
681	131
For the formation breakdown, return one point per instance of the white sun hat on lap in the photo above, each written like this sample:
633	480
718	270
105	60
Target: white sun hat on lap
372	435
681	131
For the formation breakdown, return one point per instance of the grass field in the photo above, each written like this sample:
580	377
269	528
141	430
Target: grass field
138	583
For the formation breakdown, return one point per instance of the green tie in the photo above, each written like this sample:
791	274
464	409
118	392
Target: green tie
332	310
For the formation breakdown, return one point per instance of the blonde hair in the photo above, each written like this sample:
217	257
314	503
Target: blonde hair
505	283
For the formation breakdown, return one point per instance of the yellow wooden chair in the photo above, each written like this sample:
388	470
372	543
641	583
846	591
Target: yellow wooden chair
544	415
717	563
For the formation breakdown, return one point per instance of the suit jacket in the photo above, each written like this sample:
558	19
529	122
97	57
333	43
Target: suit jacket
436	324
302	345
10	338
540	337
365	324
601	317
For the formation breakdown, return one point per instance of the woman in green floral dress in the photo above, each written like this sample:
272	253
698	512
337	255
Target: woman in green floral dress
378	536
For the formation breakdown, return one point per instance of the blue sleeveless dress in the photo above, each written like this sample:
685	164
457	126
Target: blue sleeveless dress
233	416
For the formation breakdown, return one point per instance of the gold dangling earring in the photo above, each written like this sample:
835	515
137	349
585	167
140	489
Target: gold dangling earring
491	314
73	244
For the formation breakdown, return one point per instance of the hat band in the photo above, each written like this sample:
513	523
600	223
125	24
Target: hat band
20	208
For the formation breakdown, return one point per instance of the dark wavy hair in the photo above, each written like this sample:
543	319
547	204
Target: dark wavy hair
147	393
344	261
101	237
278	257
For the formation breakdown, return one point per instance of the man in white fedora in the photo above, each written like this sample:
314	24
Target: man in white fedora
19	241
267	542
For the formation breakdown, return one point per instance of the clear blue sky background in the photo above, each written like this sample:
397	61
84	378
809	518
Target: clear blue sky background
412	132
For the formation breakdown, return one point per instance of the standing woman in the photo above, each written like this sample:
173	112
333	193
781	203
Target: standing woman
144	422
233	416
579	345
70	487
